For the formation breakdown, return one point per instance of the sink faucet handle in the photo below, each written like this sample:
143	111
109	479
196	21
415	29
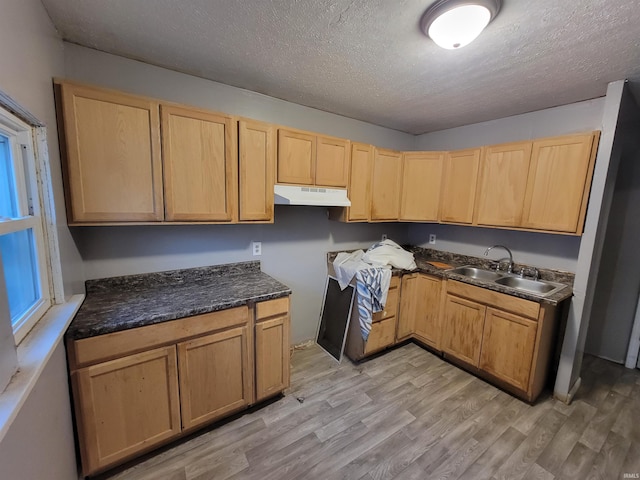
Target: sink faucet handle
530	272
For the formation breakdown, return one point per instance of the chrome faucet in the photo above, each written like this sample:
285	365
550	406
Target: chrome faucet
510	268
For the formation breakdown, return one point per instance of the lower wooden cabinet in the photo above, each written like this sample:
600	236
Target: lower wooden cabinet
383	327
215	376
420	309
125	406
464	322
503	338
508	342
382	335
428	329
408	307
272	347
136	389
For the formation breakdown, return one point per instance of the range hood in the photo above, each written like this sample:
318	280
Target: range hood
316	196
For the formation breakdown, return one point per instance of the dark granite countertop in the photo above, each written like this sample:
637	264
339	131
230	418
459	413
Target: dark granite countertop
423	256
120	303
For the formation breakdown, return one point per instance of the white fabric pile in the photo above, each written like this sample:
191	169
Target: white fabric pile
373	274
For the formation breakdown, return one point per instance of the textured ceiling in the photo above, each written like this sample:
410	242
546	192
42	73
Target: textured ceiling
367	59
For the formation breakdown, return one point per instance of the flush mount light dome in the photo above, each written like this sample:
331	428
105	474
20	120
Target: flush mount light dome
453	24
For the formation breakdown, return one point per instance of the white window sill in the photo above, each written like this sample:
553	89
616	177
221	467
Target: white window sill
33	354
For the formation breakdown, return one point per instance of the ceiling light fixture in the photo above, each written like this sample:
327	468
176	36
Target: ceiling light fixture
453	24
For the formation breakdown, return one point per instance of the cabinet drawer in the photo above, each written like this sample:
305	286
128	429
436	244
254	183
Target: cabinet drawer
272	308
391	308
113	345
382	335
502	301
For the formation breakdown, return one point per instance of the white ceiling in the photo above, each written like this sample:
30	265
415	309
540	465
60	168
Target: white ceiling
368	59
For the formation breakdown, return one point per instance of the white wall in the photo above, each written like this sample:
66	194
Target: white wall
559	252
544	250
591	245
293	251
294	248
32	54
112	71
618	285
39	443
574	118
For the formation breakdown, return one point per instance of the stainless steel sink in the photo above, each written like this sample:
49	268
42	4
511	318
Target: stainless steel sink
478	273
539	287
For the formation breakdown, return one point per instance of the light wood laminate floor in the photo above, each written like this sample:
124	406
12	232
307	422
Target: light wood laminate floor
410	415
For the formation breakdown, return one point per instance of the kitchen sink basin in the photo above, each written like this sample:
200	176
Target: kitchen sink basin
478	273
541	288
533	286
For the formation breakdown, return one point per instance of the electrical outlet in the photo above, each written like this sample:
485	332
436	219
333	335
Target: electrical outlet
257	248
432	238
384	237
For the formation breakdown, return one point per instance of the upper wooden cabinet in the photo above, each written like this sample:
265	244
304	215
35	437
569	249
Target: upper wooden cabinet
502	184
360	182
332	161
257	156
200	166
421	182
559	181
308	159
112	145
459	186
296	157
386	184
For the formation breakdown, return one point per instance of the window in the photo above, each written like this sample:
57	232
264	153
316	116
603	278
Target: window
23	256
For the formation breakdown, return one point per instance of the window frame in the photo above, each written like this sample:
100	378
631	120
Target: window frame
30	210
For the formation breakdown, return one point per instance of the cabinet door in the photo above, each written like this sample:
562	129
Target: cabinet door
421	181
463	321
296	157
272	356
386	185
257	147
200	166
507	347
382	335
559	183
408	306
126	406
427	320
459	186
113	168
502	184
360	182
215	376
332	162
